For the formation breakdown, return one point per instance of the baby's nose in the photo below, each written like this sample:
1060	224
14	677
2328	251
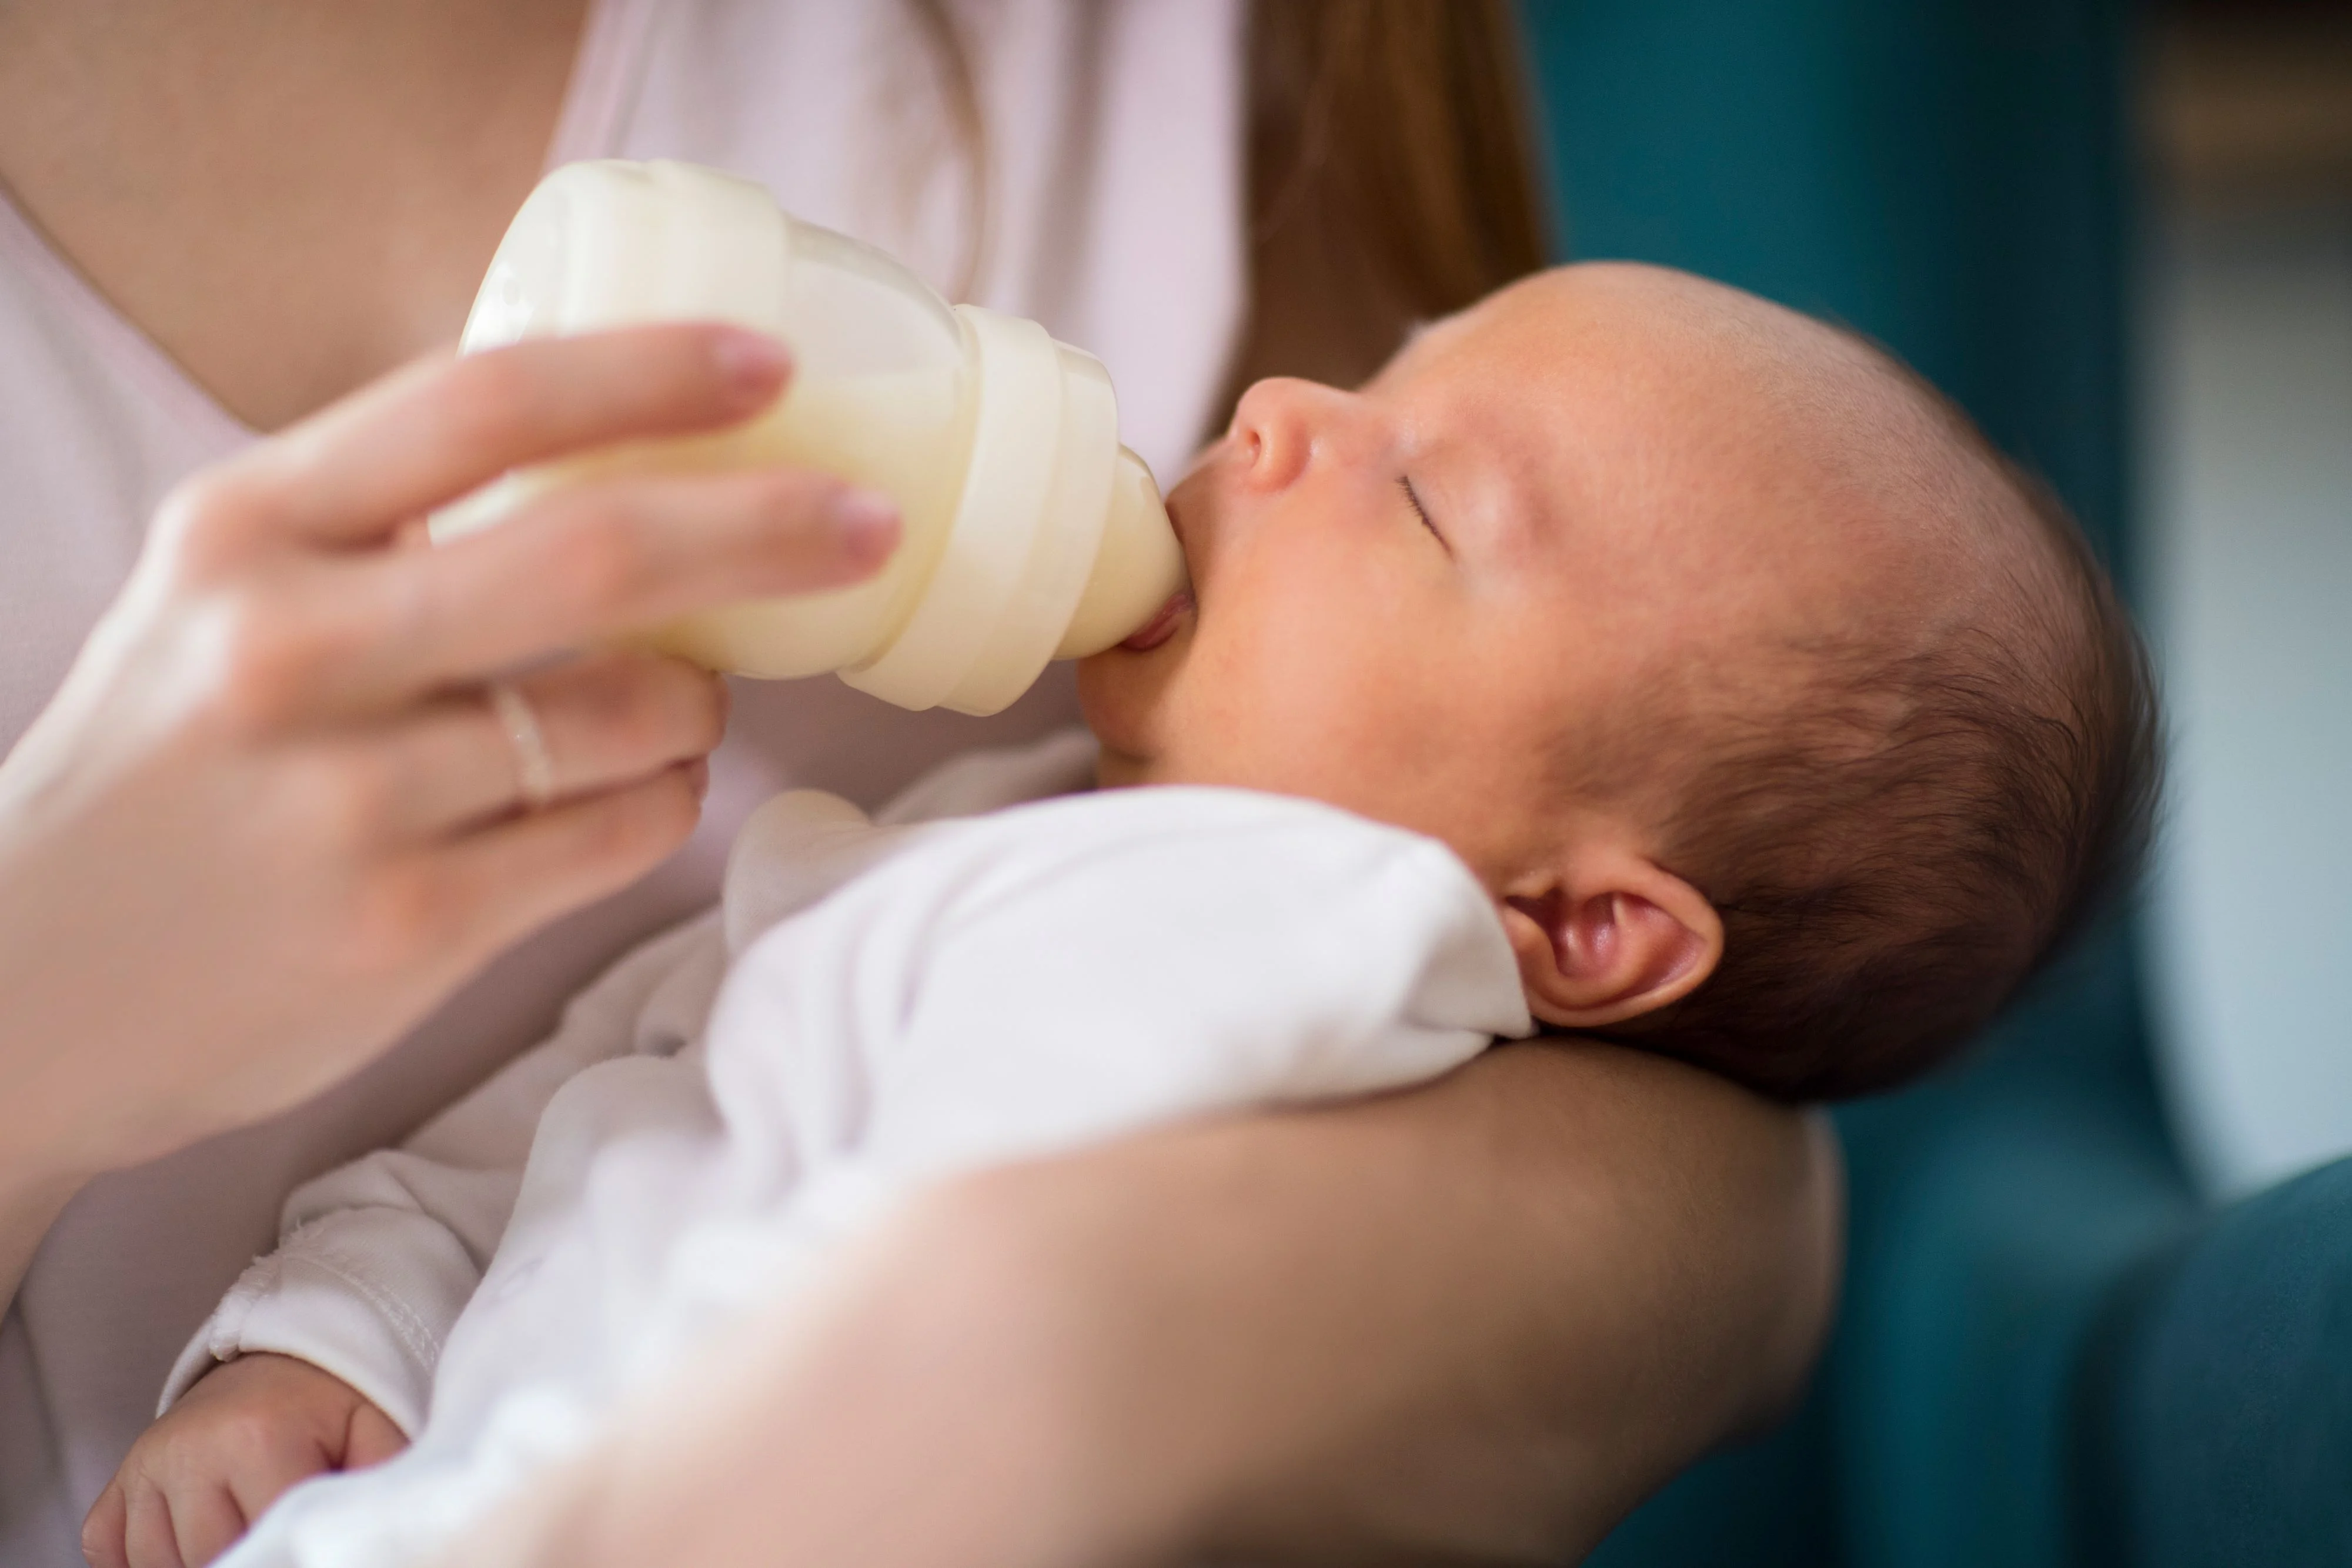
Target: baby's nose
1273	430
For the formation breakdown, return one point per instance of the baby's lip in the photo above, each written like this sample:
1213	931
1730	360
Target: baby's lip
1162	625
1170	615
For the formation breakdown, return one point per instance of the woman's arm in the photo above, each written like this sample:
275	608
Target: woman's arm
273	815
1476	1321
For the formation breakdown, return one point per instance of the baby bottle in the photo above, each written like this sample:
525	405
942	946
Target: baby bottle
1029	532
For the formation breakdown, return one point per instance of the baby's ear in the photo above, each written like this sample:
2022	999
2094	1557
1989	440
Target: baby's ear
1610	936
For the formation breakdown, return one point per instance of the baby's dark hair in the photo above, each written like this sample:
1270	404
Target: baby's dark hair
1894	850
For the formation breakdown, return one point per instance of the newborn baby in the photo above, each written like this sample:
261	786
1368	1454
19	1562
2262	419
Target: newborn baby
1632	657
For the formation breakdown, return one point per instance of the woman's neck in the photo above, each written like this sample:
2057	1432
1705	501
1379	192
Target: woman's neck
289	199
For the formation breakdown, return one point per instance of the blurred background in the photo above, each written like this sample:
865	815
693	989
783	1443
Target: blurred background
2245	479
2099	1304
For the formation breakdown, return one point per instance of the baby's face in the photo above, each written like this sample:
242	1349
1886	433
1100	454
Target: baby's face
1414	600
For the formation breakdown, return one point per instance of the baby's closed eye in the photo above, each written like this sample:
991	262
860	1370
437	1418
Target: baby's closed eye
1412	499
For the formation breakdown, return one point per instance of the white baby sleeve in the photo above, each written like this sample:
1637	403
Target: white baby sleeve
376	1258
1084	968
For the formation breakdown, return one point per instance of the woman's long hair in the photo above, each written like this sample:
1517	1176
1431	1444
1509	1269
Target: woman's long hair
1391	177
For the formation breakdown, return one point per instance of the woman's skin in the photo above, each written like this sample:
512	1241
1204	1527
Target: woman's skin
1475	1320
289	200
267	823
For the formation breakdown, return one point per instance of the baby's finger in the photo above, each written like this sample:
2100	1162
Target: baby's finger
587	564
427	434
101	1532
372	1438
265	1471
205	1522
147	1537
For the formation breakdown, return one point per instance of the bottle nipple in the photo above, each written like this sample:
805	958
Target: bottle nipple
1137	566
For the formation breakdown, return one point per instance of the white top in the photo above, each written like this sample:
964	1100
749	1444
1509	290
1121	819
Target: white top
873	1007
1114	209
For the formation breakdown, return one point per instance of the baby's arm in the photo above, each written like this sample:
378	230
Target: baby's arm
321	1358
376	1258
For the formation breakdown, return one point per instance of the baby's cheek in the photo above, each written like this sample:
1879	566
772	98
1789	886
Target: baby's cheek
1298	724
1122	696
1277	685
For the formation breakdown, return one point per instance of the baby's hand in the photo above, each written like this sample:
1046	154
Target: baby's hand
250	1429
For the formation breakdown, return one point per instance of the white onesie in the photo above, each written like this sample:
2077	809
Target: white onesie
873	1006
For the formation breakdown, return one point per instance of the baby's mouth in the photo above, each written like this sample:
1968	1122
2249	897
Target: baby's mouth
1171	615
1162	625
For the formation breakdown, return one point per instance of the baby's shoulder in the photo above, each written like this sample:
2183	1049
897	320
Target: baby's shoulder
1006	833
804	849
1256	899
1231	844
1145	815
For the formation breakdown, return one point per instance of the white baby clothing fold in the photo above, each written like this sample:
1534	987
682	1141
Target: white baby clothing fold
377	1257
874	1007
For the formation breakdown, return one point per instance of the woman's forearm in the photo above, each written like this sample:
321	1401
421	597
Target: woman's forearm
1478	1320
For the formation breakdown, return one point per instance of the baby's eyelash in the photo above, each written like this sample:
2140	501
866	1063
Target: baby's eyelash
1412	498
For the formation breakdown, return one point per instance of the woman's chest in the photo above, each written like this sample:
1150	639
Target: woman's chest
285	202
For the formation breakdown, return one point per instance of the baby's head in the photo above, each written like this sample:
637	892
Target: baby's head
1788	726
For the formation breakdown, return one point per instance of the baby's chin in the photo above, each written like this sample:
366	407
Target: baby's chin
1119	694
1118	770
1125	693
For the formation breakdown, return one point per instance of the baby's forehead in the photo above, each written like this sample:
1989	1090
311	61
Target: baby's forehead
1716	344
1702	440
1621	368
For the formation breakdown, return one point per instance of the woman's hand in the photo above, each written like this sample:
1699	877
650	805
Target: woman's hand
272	817
198	1478
1474	1322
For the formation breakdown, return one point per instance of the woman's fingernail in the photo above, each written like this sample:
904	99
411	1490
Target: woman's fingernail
866	523
752	363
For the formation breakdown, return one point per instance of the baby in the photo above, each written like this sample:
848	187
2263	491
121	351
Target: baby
1632	657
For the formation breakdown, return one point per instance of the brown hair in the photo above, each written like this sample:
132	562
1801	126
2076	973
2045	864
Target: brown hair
1392	179
1390	176
1898	852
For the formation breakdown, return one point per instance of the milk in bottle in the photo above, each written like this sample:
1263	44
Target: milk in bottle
1029	532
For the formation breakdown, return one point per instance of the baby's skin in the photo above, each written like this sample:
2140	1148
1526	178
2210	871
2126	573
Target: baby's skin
198	1478
1430	601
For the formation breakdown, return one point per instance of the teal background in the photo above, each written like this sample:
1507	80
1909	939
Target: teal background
2028	1369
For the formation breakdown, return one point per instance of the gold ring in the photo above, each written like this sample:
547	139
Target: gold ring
534	772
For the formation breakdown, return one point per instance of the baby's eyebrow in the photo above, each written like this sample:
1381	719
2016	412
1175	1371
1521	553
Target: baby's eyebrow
1519	505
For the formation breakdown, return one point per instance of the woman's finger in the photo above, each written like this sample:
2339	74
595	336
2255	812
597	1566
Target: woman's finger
585	565
602	720
356	471
475	896
102	1532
